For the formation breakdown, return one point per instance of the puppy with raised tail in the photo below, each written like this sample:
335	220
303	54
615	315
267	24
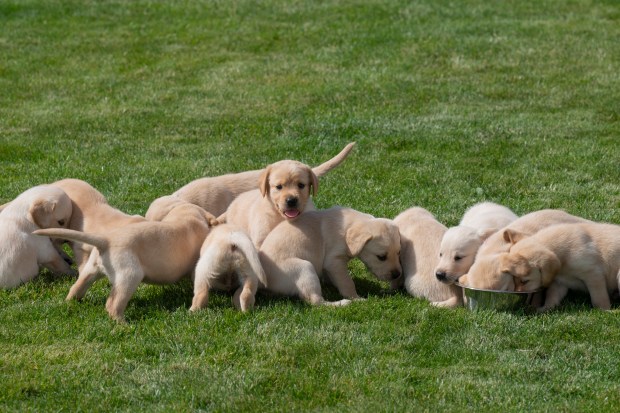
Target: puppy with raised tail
420	238
582	257
460	244
228	251
215	194
21	253
153	252
296	253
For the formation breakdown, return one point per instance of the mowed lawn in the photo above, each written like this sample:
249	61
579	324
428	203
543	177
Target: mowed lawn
450	103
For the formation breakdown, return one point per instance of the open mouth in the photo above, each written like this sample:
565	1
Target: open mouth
291	213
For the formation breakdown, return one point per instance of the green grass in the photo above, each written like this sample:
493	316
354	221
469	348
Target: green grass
451	103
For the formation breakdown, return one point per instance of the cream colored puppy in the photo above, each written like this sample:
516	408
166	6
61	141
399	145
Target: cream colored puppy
582	257
215	194
486	273
21	253
284	194
227	250
420	237
153	252
296	253
460	244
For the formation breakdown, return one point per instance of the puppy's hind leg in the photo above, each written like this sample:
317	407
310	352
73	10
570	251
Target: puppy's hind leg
89	273
124	286
244	297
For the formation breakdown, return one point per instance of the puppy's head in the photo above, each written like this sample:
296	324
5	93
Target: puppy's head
50	208
457	252
377	244
530	264
288	184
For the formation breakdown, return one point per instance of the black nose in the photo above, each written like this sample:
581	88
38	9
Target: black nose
441	275
291	202
395	274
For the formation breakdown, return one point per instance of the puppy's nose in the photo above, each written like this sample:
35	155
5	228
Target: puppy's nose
291	202
441	275
395	274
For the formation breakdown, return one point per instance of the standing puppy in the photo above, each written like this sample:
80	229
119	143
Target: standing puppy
460	244
296	253
21	253
154	252
227	250
420	238
583	257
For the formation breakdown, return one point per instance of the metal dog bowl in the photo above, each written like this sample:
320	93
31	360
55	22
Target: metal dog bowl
477	299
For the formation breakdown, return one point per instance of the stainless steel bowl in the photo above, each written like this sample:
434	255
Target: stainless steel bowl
476	299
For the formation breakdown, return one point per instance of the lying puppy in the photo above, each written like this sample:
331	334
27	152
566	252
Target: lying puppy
420	236
21	253
215	194
460	244
154	252
583	257
284	194
485	273
227	250
297	252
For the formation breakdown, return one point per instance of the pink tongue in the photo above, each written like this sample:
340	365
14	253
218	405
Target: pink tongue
291	213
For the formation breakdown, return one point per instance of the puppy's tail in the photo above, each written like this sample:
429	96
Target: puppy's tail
87	238
242	243
325	167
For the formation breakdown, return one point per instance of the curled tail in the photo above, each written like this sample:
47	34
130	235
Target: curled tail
244	246
87	238
325	167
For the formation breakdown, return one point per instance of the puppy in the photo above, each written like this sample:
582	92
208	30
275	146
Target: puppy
420	237
284	194
584	257
485	273
297	252
227	250
153	252
215	194
21	253
460	244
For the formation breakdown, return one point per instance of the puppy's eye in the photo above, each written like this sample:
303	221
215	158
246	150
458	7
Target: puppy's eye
382	257
301	186
61	222
458	258
440	254
278	187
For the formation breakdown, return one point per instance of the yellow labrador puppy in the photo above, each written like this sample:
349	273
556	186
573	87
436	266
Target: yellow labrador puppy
486	273
582	257
460	244
21	253
227	250
153	252
296	253
420	238
215	194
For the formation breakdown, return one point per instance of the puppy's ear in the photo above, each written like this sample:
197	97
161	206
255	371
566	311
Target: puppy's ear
356	238
514	264
314	182
463	279
211	219
512	236
549	267
40	212
263	181
483	234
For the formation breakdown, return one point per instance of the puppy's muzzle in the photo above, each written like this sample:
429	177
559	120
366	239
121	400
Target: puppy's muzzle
441	276
292	201
395	274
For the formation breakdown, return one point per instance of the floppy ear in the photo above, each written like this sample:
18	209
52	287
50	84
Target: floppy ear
463	279
549	267
512	236
40	212
514	264
263	181
314	182
483	234
211	219
356	237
